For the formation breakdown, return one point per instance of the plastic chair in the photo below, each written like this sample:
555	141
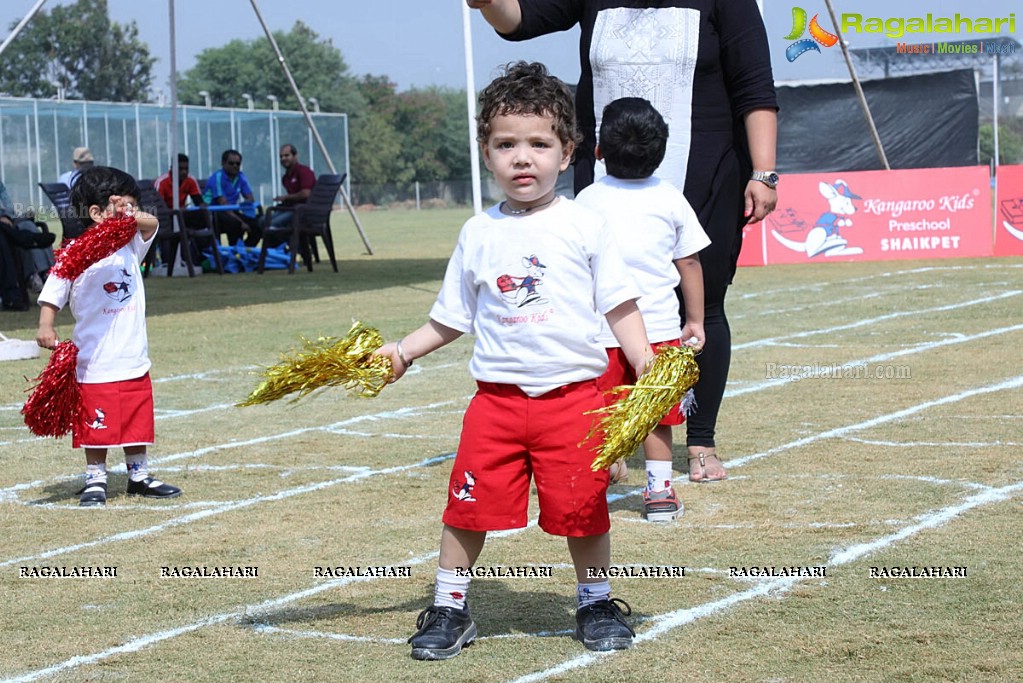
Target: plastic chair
60	195
169	239
310	220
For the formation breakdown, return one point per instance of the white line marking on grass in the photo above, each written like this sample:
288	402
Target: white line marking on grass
208	374
669	621
227	507
866	322
348	638
6	493
936	444
274	630
817	286
803	307
931	520
388	414
840	432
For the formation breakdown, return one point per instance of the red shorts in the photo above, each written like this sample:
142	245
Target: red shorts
619	372
507	437
116	414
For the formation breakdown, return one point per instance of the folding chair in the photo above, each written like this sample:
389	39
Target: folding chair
60	195
310	220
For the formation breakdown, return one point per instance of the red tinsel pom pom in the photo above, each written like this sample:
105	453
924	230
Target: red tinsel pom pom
93	245
56	401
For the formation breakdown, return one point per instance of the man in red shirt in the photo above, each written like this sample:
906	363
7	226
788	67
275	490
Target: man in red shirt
187	187
298	182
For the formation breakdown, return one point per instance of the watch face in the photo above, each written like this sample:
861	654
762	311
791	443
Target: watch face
772	178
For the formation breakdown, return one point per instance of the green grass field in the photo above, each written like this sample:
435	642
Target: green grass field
874	420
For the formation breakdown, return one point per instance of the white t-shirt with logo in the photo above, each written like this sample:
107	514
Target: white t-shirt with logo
654	225
108	302
534	290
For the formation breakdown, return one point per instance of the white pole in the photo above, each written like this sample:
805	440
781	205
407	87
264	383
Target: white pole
994	98
470	97
173	138
21	24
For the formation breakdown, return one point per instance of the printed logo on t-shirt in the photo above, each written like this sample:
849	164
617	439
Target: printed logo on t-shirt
98	422
120	290
521	290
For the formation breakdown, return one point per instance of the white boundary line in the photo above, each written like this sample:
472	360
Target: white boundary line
881	318
156	461
664	622
227	507
839	432
879	358
669	621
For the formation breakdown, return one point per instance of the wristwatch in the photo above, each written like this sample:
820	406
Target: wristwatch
769	178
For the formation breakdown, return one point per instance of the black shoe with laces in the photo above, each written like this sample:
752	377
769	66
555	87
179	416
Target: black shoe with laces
601	626
92	495
443	632
152	488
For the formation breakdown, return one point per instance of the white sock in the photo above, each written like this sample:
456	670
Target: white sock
589	593
138	466
451	589
95	474
658	475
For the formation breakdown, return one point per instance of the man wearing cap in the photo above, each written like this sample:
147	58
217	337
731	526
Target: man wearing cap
82	159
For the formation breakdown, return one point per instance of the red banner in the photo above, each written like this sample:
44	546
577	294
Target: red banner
1009	208
879	216
752	253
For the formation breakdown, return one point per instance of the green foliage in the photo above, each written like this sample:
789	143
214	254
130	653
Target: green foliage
417	135
250	66
1010	142
78	48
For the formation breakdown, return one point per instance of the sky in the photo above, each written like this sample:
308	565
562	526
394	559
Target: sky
419	43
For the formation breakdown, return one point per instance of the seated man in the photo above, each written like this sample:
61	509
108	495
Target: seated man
82	159
30	244
228	185
13	294
187	187
298	182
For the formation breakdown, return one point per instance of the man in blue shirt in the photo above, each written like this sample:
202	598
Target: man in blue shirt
229	186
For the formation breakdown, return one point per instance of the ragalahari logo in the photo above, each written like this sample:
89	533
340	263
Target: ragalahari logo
804	45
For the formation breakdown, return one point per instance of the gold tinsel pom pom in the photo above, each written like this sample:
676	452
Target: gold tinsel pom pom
628	421
328	362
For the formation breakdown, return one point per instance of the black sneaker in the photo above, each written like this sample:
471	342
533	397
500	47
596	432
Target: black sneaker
92	495
443	631
152	488
601	626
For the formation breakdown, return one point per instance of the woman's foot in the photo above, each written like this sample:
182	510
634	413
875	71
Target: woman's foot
704	466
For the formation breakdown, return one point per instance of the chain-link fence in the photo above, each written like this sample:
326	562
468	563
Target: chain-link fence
37	138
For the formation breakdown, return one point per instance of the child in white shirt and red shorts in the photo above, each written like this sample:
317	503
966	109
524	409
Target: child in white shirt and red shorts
660	238
531	278
108	302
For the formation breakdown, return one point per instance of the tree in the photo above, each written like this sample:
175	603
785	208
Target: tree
250	66
1010	144
78	48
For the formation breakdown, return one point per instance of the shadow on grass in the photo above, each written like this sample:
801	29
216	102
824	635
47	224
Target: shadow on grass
498	607
211	291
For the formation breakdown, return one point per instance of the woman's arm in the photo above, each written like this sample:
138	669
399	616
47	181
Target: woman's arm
762	133
504	15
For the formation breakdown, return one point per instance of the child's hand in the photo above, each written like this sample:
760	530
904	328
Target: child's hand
390	351
120	206
46	337
648	359
694	336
